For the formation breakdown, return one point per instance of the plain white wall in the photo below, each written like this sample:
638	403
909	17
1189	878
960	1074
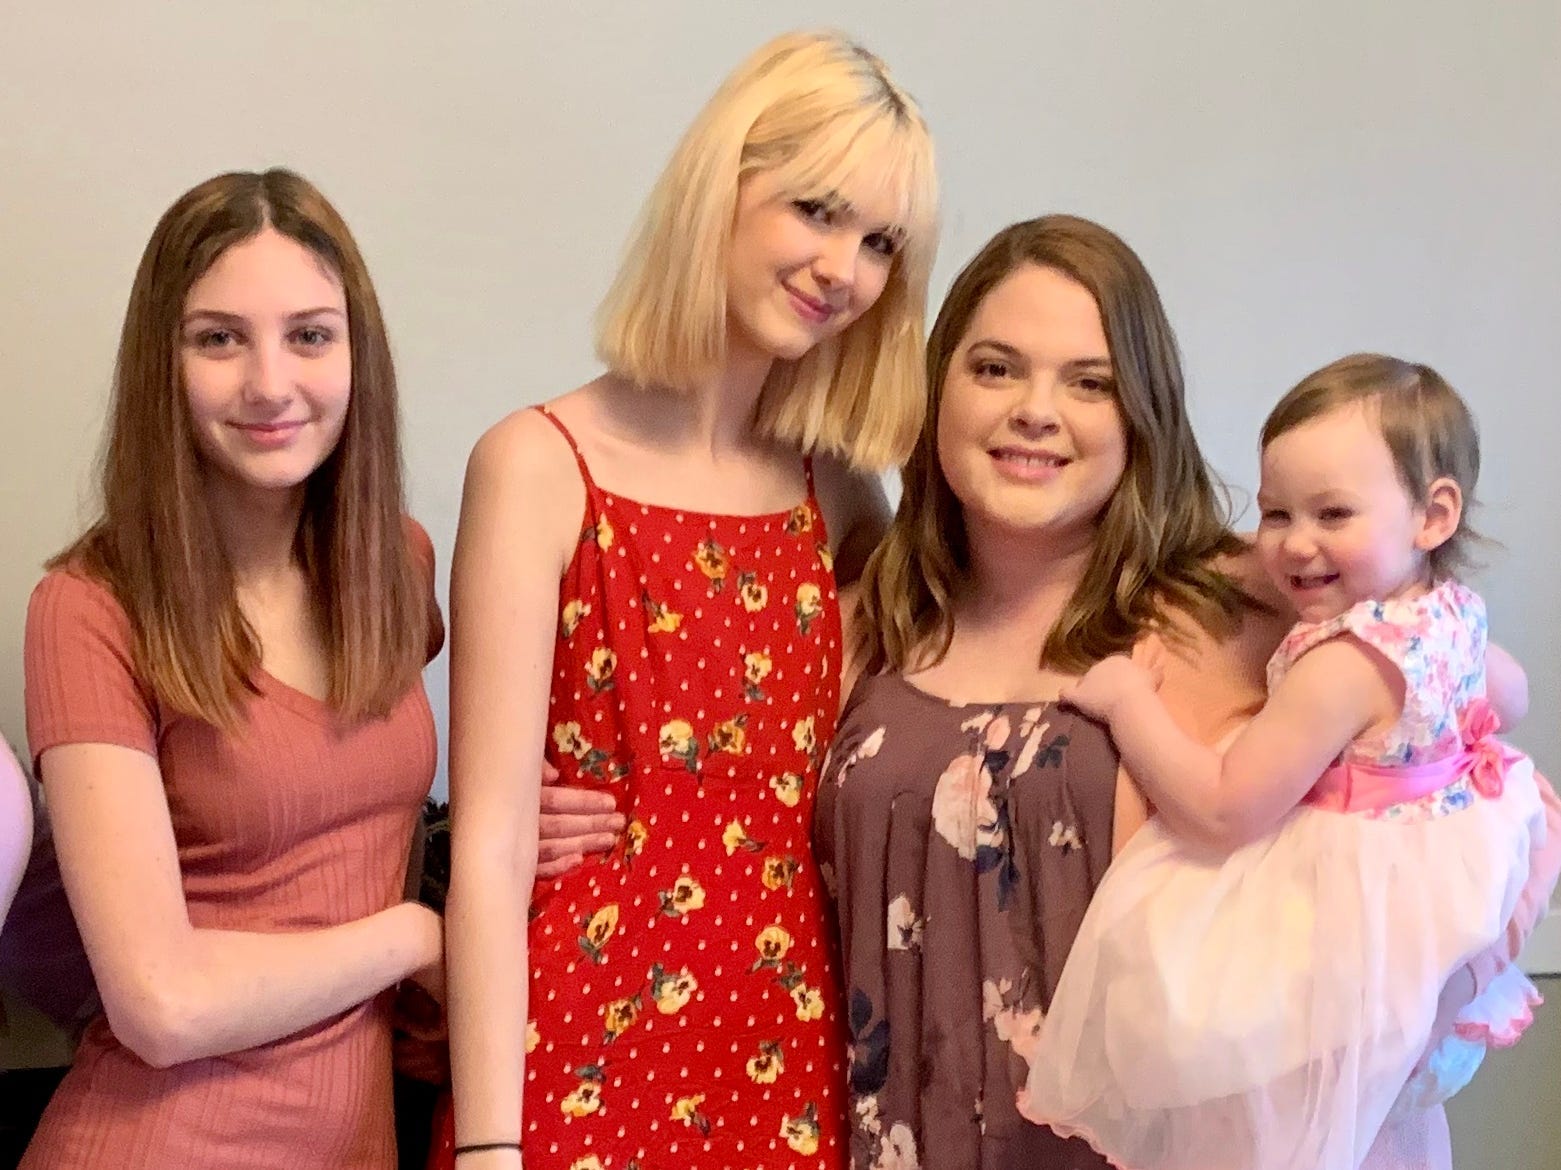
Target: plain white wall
1303	179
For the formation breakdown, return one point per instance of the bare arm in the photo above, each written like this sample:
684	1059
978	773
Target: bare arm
173	992
16	827
520	515
1506	685
1329	697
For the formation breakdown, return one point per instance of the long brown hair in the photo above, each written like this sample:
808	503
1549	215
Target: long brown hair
156	544
1156	537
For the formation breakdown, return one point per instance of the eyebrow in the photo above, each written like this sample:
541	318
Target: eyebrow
239	319
1077	365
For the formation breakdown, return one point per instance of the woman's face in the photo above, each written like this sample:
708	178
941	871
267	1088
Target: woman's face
266	362
799	271
1030	434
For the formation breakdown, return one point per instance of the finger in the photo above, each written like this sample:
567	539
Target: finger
561	798
558	866
549	773
559	827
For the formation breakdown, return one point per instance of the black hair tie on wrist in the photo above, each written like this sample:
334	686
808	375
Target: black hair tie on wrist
477	1147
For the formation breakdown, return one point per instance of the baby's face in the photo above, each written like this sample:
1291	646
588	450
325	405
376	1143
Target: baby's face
1338	526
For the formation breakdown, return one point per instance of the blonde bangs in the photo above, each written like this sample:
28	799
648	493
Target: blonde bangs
821	115
862	396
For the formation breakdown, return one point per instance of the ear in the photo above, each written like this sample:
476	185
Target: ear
1442	512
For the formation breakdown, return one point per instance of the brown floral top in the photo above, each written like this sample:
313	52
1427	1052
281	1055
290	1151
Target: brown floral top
964	843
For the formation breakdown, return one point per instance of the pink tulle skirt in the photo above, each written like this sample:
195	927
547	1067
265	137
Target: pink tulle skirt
1264	1009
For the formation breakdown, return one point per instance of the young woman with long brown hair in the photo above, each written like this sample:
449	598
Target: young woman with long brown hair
225	707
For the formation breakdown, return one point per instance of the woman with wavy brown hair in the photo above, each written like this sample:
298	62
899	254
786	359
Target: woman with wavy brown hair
1056	510
225	707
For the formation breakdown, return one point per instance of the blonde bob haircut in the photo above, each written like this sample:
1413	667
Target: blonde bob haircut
822	116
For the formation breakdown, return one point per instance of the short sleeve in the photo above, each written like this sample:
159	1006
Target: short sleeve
421	549
81	682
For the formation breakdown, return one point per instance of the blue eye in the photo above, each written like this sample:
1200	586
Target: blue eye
814	209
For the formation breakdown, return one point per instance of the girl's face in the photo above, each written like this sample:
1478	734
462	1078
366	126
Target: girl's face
1030	434
1338	526
800	271
266	363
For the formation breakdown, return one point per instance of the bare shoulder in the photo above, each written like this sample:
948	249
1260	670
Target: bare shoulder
522	475
1213	681
1246	570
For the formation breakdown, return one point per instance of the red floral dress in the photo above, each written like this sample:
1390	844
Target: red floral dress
684	1004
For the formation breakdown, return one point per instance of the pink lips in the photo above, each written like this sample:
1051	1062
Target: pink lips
1028	466
268	436
810	308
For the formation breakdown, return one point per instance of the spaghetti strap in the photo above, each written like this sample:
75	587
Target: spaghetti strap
585	472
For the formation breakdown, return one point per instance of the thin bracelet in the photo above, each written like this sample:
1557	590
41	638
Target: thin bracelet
478	1147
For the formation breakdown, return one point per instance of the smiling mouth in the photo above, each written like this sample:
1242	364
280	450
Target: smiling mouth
1029	459
810	308
1317	581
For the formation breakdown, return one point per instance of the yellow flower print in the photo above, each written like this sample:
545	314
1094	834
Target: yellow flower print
671	990
802	736
599	671
597	930
659	617
618	1017
800	520
778	872
735	836
731	736
569	741
714	562
533	1037
589	1162
584	1101
634	838
603	533
801	1133
772	942
586	1098
825	557
685	895
810	1004
788	788
677	743
756	668
686	1110
810	603
753	595
569	621
766	1068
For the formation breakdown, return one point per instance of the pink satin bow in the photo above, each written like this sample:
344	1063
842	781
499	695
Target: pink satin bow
1488	756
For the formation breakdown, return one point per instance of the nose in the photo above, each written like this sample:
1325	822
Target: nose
835	266
267	379
1298	544
1035	409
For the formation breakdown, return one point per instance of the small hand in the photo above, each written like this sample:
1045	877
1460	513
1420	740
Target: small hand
574	822
1106	684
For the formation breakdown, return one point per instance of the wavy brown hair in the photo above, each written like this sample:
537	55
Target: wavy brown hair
156	544
1158	535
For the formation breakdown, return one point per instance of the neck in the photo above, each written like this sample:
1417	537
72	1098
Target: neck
1021	581
258	530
